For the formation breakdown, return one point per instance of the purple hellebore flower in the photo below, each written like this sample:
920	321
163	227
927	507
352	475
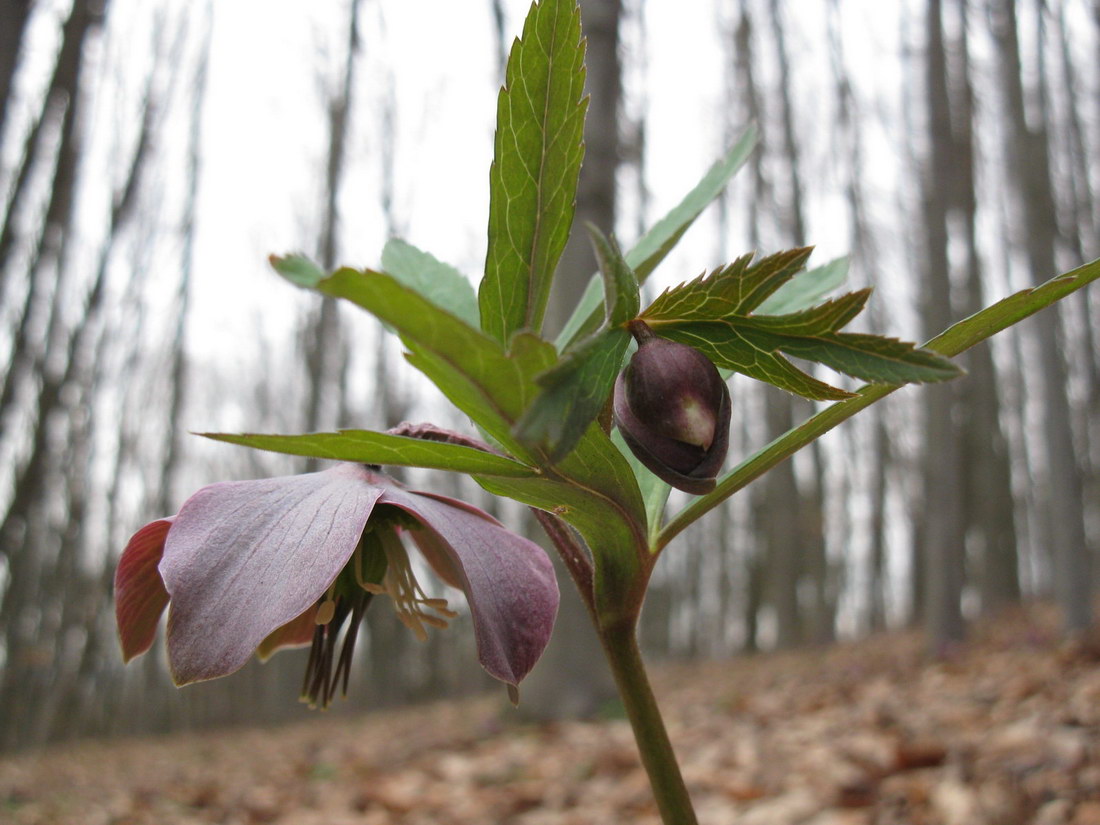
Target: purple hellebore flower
253	566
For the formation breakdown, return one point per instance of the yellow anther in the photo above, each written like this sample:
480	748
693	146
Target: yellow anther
410	602
327	609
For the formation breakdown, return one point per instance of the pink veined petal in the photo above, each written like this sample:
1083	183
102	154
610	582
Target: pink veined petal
508	580
245	558
140	596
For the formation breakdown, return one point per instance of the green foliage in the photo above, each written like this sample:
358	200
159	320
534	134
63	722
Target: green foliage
716	314
468	366
806	288
594	490
661	238
541	403
439	282
620	283
576	389
298	269
1012	310
536	163
368	447
956	339
574	392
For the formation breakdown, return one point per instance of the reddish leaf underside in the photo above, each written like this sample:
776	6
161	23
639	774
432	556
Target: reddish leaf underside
140	596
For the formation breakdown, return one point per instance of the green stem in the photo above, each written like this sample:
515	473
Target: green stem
620	644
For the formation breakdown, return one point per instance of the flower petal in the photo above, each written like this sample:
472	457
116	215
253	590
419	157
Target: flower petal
245	558
140	596
508	580
295	633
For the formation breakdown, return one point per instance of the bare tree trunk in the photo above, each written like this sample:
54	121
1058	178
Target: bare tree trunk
943	529
1027	157
325	342
25	538
177	386
13	22
796	537
989	503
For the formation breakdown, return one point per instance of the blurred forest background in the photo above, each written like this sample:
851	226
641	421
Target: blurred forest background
152	153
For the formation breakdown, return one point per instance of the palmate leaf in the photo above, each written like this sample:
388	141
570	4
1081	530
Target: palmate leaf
576	389
714	314
652	247
952	341
536	162
800	292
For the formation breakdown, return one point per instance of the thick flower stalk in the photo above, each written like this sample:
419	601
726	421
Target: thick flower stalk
253	566
673	410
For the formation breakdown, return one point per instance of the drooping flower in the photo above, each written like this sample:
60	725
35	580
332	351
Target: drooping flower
253	566
673	410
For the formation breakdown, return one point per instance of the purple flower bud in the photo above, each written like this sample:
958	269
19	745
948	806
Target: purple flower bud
673	409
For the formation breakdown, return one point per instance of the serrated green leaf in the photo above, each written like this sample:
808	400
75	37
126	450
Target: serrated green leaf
873	358
536	162
806	288
368	447
714	314
439	282
734	290
819	320
952	341
652	247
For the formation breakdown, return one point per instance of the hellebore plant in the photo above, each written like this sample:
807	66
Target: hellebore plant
256	565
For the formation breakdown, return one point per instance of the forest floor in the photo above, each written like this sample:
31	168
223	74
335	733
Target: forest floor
1005	730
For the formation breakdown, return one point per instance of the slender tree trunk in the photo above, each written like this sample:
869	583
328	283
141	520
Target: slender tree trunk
325	341
13	22
177	387
800	552
989	503
943	529
25	538
1027	157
